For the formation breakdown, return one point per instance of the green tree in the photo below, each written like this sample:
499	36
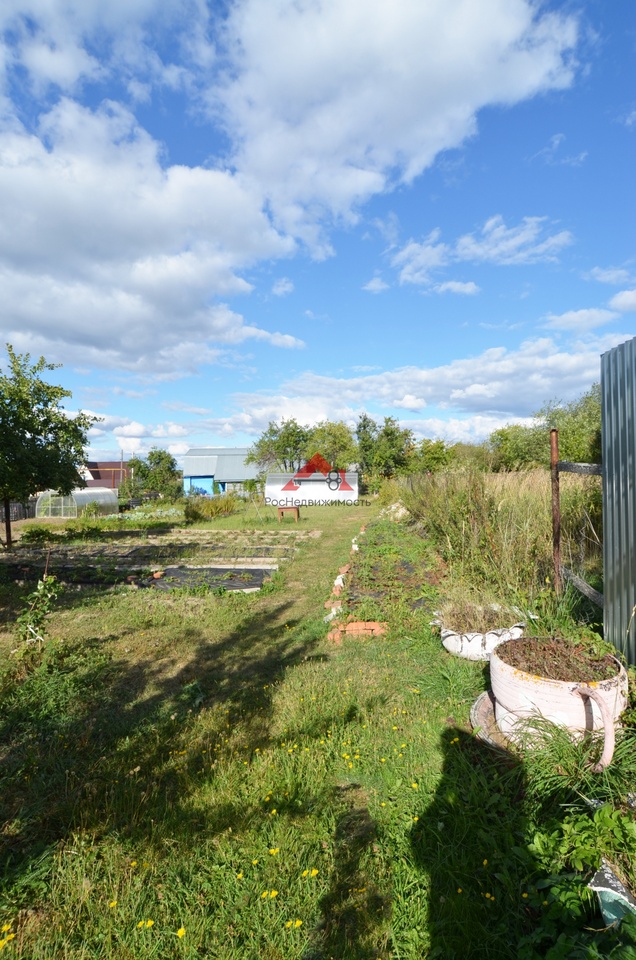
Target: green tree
393	450
334	440
281	447
366	435
432	456
42	446
579	425
158	473
514	446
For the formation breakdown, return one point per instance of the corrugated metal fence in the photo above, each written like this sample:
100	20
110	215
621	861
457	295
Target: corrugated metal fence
618	392
22	511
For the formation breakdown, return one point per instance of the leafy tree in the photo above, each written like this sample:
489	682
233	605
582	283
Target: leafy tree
281	447
366	435
334	440
515	446
393	450
579	426
158	473
432	456
42	446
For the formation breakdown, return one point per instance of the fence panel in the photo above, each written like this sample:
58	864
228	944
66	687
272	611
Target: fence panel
618	393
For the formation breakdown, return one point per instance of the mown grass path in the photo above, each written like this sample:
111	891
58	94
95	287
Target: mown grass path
205	776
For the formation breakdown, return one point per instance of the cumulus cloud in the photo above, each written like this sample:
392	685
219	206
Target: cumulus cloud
113	256
282	287
102	247
457	286
494	387
376	285
614	275
330	103
580	321
528	242
625	301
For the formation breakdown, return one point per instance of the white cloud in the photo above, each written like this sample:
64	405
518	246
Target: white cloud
615	275
473	429
331	102
526	243
104	249
418	260
495	387
457	286
552	155
625	301
580	321
409	402
376	285
500	244
282	287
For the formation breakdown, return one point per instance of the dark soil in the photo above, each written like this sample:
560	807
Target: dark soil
557	659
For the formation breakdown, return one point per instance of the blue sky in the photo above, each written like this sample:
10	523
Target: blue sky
220	214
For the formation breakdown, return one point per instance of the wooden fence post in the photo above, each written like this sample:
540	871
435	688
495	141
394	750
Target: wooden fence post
556	510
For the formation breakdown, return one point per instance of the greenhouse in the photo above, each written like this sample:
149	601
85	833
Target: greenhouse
91	501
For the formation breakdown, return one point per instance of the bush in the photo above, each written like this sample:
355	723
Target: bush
207	508
39	535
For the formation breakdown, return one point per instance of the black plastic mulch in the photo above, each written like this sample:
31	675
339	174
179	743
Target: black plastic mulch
239	578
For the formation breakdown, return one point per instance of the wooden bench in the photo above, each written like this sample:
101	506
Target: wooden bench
283	510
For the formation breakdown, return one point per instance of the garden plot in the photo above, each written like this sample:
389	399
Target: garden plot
205	559
392	567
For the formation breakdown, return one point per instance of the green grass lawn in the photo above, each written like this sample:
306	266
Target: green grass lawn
194	775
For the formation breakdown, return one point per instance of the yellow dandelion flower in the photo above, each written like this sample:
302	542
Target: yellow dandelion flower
274	850
314	872
459	890
6	928
415	786
272	813
140	924
288	924
150	923
181	932
485	863
254	862
133	863
264	894
239	876
382	759
415	819
298	923
273	893
524	895
305	873
113	903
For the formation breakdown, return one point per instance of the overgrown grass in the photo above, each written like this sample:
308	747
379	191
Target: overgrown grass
207	776
494	532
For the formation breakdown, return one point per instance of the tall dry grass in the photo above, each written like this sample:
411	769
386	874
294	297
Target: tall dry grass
496	529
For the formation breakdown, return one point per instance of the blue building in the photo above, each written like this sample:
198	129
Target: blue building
210	470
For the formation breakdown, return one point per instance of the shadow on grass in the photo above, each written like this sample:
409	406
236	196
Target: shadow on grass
94	745
354	910
471	841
